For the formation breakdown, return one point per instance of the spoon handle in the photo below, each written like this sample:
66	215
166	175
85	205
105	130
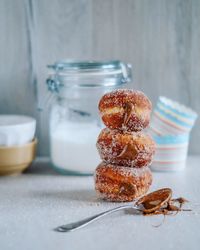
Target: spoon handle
75	225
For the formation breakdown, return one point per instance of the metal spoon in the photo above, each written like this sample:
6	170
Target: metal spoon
147	204
75	225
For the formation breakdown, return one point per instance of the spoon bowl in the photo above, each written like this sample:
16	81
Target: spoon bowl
155	200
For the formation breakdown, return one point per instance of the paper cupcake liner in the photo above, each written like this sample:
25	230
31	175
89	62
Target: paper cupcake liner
171	152
170	117
168	166
170	127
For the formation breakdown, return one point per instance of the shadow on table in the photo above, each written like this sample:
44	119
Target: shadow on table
66	195
41	168
46	168
86	196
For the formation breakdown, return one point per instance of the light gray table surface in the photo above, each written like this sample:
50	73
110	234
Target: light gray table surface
32	204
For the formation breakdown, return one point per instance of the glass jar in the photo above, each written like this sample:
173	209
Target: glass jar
74	118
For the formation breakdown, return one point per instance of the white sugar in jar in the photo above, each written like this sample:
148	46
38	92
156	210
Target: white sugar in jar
74	120
73	146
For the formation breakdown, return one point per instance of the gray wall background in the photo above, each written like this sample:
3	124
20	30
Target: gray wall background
161	38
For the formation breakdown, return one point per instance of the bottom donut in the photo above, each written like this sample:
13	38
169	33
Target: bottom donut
120	184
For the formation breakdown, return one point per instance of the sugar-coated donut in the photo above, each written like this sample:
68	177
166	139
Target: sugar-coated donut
125	109
119	183
131	149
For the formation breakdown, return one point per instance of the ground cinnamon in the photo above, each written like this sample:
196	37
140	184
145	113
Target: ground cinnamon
160	202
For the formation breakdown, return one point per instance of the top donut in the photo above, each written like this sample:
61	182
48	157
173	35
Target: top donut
126	110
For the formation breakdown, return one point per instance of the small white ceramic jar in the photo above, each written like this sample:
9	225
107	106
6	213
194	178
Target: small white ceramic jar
16	130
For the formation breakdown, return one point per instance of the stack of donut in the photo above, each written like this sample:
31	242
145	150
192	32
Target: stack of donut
125	150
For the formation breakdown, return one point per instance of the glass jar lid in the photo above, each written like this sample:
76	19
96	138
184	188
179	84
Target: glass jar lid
114	72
